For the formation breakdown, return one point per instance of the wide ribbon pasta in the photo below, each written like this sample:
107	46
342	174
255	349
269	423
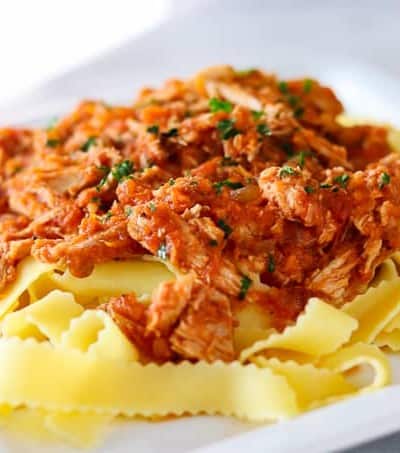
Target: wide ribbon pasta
310	326
96	373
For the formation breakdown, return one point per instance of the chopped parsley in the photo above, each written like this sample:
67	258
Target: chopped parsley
257	114
52	142
271	263
226	183
263	130
288	148
128	210
298	112
213	243
301	157
106	170
107	216
307	85
384	180
325	185
245	284
173	132
245	72
154	129
152	206
287	171
89	142
162	252
229	162
224	227
218	105
122	170
283	87
293	100
227	129
309	189
171	181
342	180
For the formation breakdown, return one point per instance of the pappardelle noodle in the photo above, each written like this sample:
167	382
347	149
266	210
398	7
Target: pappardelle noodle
227	244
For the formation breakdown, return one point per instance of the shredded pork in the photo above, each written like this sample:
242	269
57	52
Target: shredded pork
247	184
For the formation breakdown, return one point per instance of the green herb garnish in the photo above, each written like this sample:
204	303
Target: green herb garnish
106	170
298	112
244	72
384	180
301	157
245	284
288	148
224	227
342	180
293	100
226	183
263	130
89	142
218	105
287	171
173	132
122	170
325	185
283	87
227	129
128	210
213	243
107	216
271	263
257	114
154	129
171	181
307	85
152	206
309	189
52	142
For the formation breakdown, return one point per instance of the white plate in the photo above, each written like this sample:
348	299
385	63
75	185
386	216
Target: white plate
244	38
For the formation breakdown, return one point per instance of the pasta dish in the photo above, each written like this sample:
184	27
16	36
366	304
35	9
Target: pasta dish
225	245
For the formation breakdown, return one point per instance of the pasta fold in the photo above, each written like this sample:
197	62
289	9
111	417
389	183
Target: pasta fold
87	383
310	325
28	271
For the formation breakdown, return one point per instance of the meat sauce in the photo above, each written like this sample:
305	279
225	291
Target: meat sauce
247	184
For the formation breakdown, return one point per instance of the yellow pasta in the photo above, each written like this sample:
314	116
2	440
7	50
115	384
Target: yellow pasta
393	135
359	354
28	271
374	309
88	383
309	326
98	375
59	319
46	319
115	278
311	384
386	271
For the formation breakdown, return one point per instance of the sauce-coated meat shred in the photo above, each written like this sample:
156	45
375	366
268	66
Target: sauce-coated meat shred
248	185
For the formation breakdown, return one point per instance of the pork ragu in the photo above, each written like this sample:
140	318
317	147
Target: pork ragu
247	184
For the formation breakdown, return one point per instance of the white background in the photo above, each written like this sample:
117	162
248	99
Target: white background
42	38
